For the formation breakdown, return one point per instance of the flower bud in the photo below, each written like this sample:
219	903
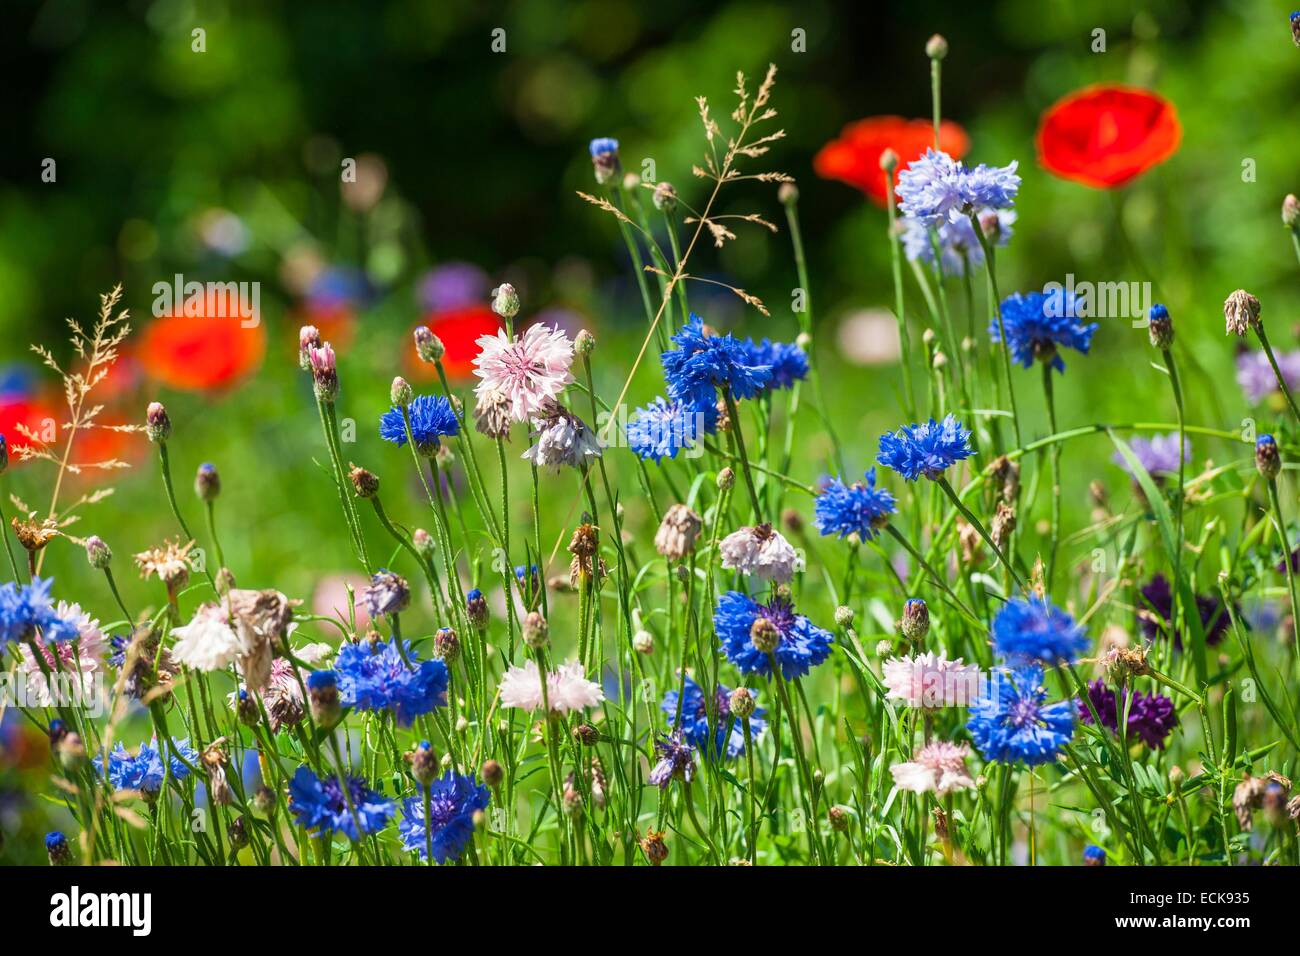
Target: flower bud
665	197
1267	458
643	642
400	392
476	608
838	818
324	373
4	455
157	425
888	160
742	703
71	752
726	478
364	483
764	635
207	483
56	846
916	620
505	301
308	339
98	553
654	847
323	689
492	773
604	159
423	542
424	763
584	343
1241	312
238	833
844	616
1291	211
787	194
884	647
1161	327
428	346
936	48
586	735
536	630
250	715
263	802
446	645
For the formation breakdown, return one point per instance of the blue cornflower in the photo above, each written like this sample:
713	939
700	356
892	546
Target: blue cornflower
664	428
1011	720
604	158
431	419
145	770
937	188
787	361
800	644
728	734
377	677
453	801
26	608
56	846
321	807
1037	324
1037	630
859	508
928	449
702	363
676	760
1094	855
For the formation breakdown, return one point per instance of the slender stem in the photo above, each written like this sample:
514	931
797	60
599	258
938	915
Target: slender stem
1287	562
991	269
975	523
4	531
1281	381
1054	457
738	433
1176	384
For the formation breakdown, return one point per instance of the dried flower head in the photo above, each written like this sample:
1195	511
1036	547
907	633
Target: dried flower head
677	532
1241	312
170	564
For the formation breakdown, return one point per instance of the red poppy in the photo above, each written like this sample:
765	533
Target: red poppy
854	158
34	414
1103	136
459	330
200	353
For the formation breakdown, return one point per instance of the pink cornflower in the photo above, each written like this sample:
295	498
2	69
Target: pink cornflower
529	371
939	766
84	655
761	551
567	688
931	681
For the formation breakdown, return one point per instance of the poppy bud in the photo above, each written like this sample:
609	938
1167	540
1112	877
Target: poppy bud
1161	327
1267	458
936	48
157	426
207	483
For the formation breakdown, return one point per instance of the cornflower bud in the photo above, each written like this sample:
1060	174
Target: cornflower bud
936	48
1241	312
665	197
505	301
1267	458
323	689
1291	211
844	616
584	343
493	774
446	645
423	542
476	608
400	392
207	483
915	624
157	425
98	553
308	339
536	630
428	346
764	635
742	703
56	845
1161	327
424	763
364	483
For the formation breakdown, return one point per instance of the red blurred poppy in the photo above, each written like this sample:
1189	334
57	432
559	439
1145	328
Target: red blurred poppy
199	352
36	414
854	158
459	330
1103	136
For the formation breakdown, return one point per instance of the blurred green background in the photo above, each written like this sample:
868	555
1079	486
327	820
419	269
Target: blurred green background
224	165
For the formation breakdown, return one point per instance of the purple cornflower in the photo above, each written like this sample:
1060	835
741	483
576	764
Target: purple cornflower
1158	601
797	644
1159	456
1256	377
676	760
928	449
728	734
1151	716
387	593
452	285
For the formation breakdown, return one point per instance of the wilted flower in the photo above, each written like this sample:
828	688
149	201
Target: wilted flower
562	439
677	532
761	551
